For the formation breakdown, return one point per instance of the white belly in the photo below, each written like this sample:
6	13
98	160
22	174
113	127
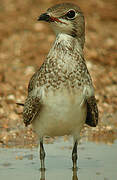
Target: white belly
61	114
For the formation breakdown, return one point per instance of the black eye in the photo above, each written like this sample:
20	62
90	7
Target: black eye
71	14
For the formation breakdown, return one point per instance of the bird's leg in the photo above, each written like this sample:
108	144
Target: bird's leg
74	155
42	155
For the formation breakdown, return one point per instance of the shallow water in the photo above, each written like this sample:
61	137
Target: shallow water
96	162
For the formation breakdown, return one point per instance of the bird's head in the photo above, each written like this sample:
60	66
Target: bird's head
66	18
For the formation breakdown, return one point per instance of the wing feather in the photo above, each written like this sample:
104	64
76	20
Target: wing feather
32	108
92	112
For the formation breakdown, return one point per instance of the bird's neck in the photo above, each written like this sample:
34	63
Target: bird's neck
65	62
66	45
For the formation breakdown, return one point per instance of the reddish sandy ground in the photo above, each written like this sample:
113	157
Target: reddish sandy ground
24	44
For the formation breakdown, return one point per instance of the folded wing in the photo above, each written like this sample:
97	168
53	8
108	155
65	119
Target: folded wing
32	108
92	112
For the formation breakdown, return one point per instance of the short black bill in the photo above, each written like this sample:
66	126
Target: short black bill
44	17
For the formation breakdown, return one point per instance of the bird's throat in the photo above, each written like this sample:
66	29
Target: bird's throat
66	45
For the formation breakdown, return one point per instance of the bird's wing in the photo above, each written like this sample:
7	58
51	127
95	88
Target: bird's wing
92	112
32	104
89	99
32	108
92	109
32	81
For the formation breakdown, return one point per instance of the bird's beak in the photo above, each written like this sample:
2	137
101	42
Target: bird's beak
44	17
47	18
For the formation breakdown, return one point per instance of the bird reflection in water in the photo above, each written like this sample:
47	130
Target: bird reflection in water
74	175
42	174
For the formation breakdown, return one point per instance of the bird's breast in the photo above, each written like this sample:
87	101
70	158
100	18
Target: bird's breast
62	113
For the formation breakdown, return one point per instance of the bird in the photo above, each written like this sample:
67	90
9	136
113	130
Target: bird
61	97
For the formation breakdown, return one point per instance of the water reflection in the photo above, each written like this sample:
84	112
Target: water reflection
96	161
74	175
42	174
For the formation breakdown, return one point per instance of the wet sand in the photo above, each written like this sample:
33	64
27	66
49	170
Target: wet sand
96	162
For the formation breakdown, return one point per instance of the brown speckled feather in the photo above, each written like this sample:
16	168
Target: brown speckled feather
32	82
92	112
32	107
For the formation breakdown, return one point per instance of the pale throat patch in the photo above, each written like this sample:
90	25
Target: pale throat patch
63	26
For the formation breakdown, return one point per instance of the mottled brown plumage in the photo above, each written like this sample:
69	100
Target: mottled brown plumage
52	76
32	108
61	94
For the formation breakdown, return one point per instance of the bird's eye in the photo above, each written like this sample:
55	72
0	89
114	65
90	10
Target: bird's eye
71	14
